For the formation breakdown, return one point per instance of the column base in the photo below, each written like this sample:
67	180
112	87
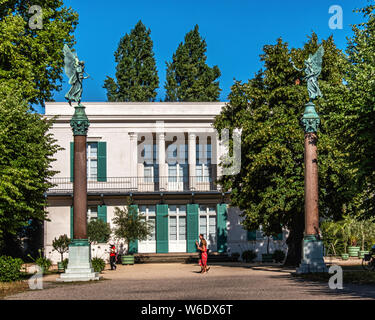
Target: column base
79	266
312	256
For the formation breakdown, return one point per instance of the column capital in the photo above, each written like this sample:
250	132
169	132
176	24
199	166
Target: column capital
79	122
310	120
161	135
133	135
192	135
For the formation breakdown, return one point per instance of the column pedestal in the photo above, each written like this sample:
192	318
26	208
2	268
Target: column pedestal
312	256
79	266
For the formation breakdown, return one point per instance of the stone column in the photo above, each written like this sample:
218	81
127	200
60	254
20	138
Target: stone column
163	174
79	267
312	247
192	140
80	188
133	160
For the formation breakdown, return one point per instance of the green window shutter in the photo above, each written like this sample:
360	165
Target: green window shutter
102	213
278	237
71	223
133	245
192	232
71	161
251	235
102	161
221	227
162	228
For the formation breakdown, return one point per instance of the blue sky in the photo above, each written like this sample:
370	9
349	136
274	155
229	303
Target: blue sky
235	32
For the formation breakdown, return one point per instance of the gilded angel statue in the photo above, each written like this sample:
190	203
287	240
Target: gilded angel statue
313	68
75	70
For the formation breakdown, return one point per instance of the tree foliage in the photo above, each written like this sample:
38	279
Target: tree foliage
26	154
136	73
358	129
189	78
98	231
270	186
129	225
32	59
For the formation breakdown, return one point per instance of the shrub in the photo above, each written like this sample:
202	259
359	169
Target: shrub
279	256
249	255
235	256
98	264
44	263
10	268
65	263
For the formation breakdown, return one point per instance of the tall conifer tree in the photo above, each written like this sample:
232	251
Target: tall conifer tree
189	78
136	74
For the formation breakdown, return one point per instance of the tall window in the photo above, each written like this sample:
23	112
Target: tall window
151	168
177	222
92	213
207	222
177	162
149	212
203	161
92	160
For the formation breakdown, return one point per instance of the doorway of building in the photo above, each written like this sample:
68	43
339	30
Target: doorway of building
149	245
177	228
207	225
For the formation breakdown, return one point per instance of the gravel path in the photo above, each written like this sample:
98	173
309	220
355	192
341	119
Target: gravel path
183	282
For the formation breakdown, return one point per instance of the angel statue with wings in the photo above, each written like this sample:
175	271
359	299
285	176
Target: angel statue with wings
313	68
75	70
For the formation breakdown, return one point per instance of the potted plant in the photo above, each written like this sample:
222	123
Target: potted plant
98	231
61	245
130	226
365	230
343	232
249	255
353	229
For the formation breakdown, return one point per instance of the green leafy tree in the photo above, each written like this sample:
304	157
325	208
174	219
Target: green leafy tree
130	226
358	129
136	73
32	59
189	78
98	231
61	245
270	186
26	154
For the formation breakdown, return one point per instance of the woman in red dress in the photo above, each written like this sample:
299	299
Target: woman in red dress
202	247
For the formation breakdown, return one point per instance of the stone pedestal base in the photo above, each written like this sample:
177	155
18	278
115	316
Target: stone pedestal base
79	267
312	257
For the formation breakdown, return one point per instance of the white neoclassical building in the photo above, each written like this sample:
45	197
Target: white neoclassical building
164	157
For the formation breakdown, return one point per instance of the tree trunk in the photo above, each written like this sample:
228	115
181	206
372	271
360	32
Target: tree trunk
294	241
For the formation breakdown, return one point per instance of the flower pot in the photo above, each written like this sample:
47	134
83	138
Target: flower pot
127	259
353	251
267	257
361	254
344	256
60	266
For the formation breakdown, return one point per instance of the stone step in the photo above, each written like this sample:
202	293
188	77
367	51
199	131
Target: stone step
179	257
